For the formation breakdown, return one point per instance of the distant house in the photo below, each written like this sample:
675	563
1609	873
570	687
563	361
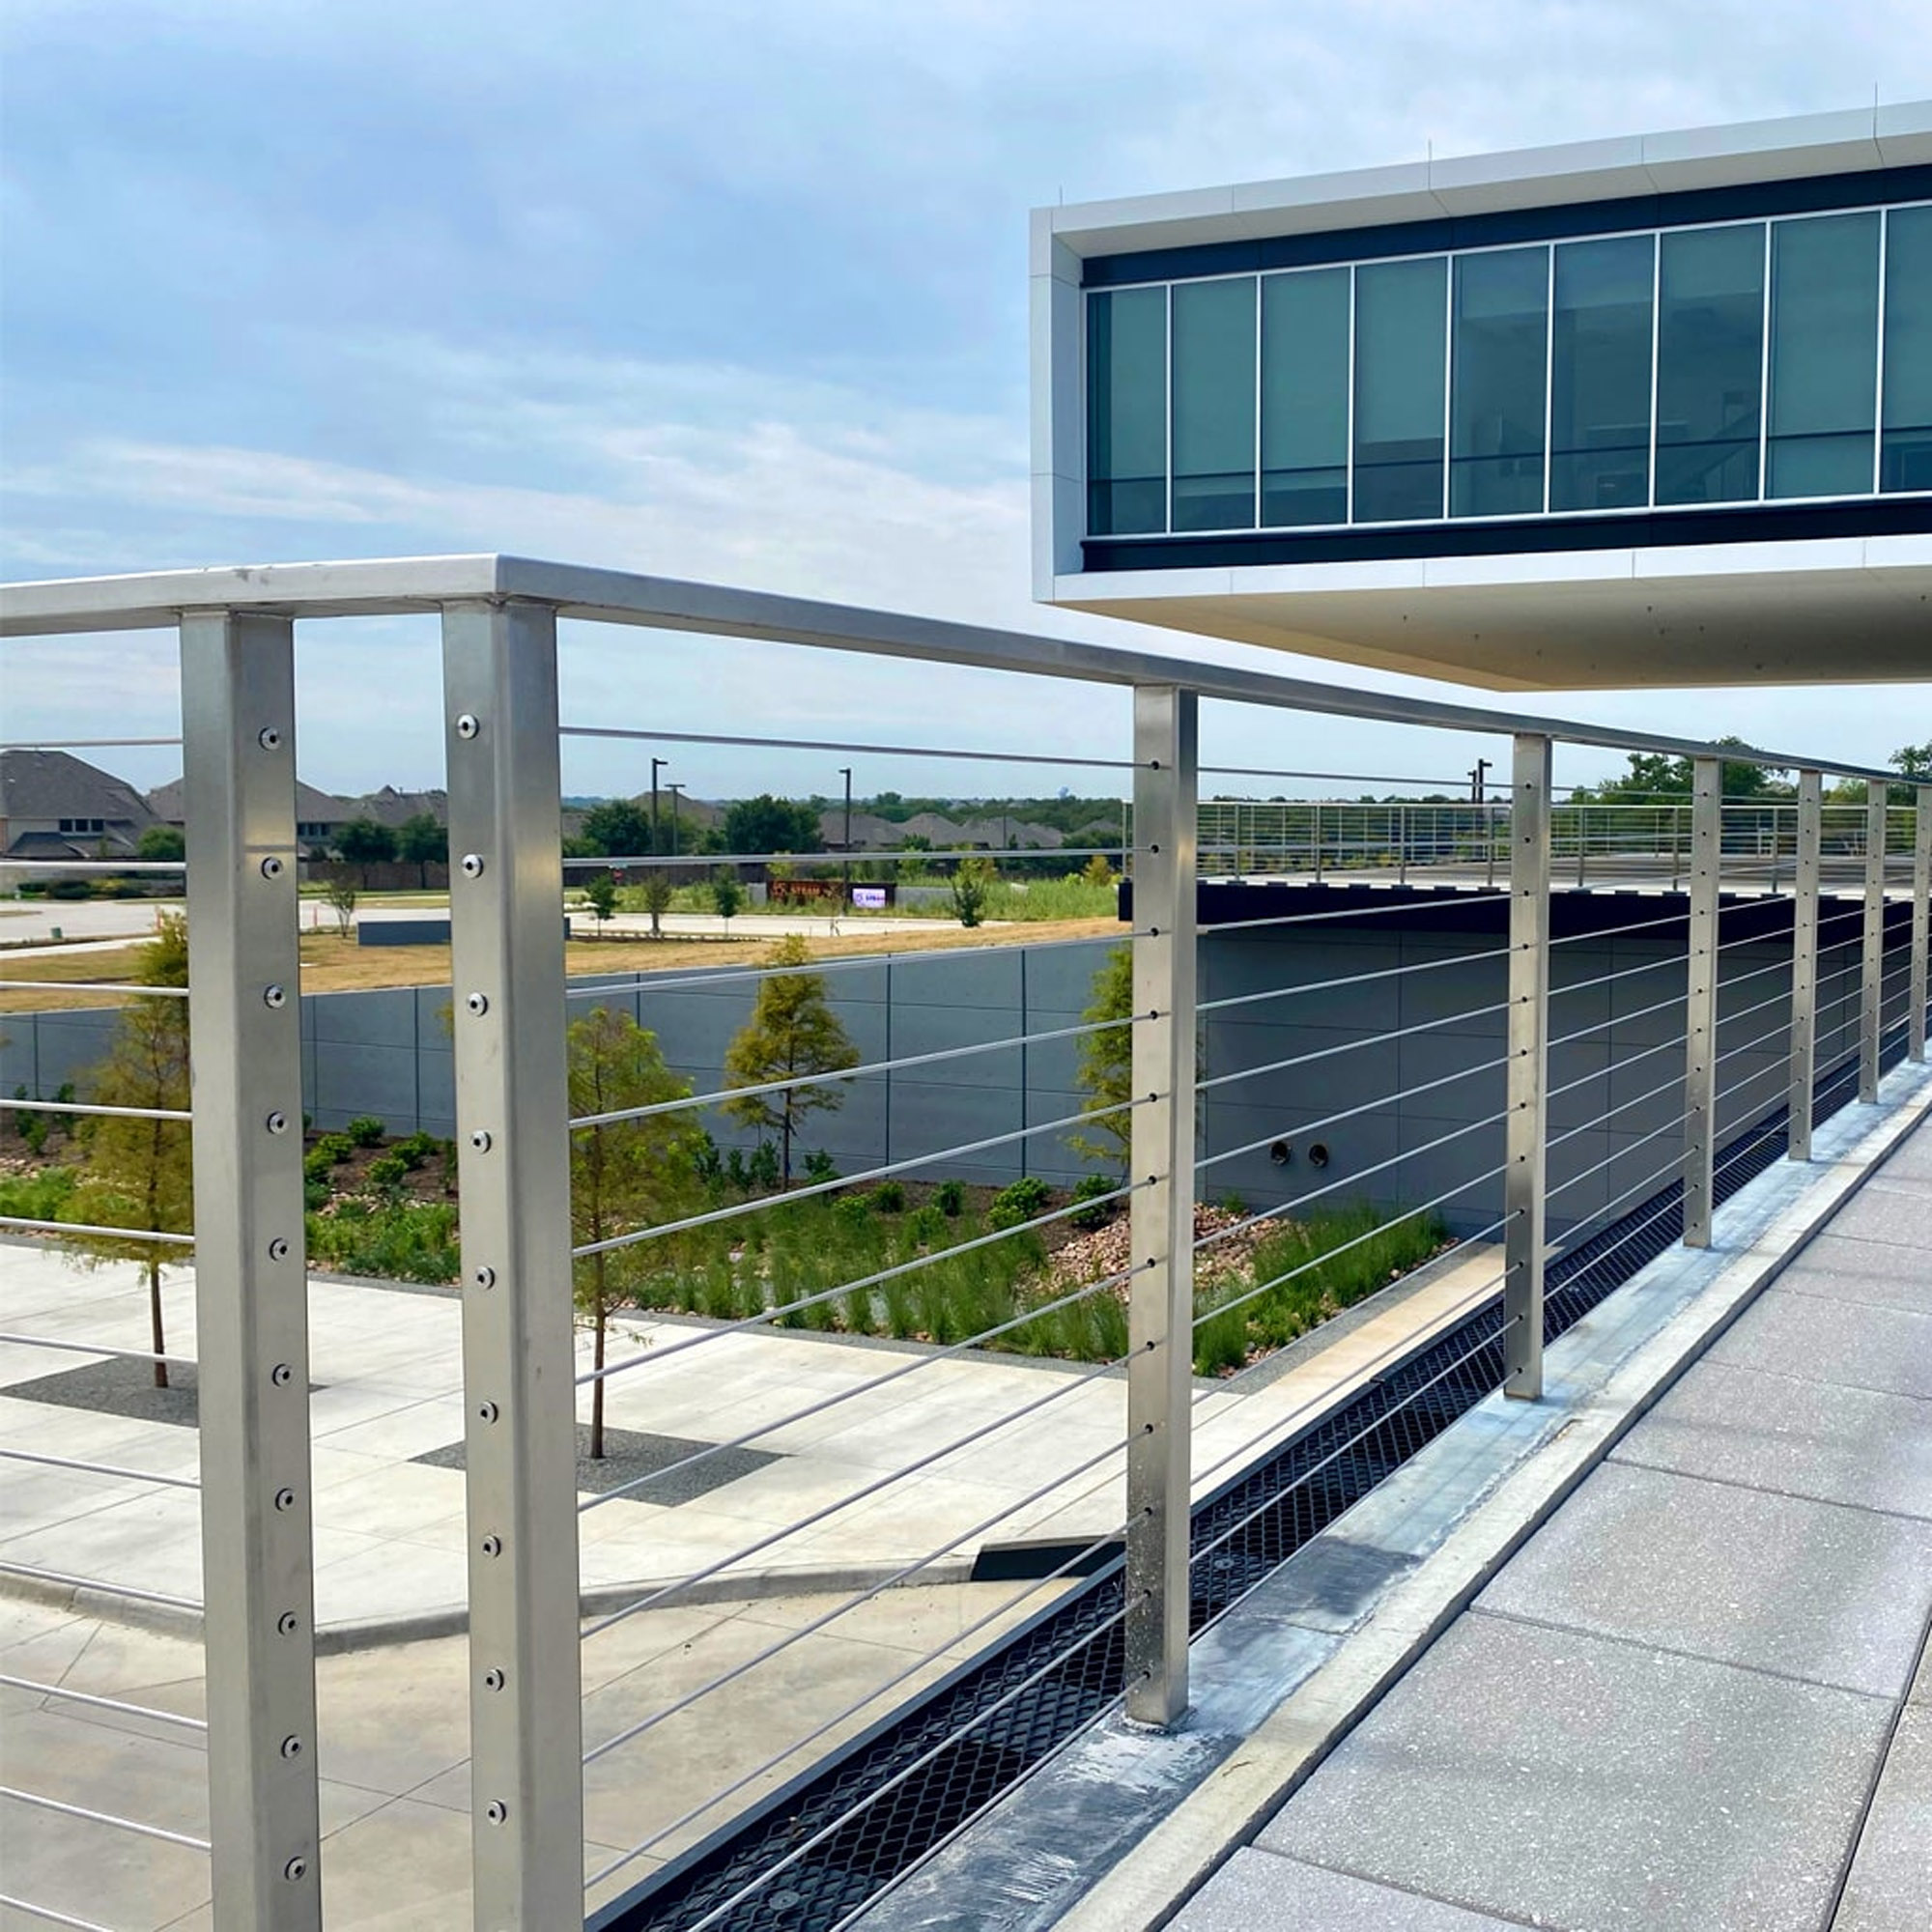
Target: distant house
320	815
994	833
394	809
56	807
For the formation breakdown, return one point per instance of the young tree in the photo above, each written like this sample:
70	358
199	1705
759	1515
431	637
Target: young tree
139	1174
341	895
728	896
624	1175
970	885
601	895
656	893
1105	1068
792	1034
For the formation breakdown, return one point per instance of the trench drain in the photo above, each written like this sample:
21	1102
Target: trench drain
818	1850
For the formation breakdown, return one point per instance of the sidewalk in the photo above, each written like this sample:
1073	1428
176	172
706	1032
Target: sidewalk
1697	1700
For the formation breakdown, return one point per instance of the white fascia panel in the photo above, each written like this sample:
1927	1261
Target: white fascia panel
1084	587
1573	567
1387	573
1905	134
1754	150
1578	171
1813	554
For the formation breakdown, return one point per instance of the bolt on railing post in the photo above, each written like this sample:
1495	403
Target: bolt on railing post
1701	1015
1921	915
506	927
251	1281
1871	975
1162	1296
1804	906
1528	1080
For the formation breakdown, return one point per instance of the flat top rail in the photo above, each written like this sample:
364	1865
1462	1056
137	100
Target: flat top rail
393	587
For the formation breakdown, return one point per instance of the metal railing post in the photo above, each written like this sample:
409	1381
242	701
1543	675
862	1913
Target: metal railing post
1871	974
1700	1015
1921	915
506	919
1528	1083
1317	841
1161	1299
251	1280
1805	961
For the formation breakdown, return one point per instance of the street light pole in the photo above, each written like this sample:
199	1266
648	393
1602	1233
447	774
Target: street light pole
657	765
673	786
845	773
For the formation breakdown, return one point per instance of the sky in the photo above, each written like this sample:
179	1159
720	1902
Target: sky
731	289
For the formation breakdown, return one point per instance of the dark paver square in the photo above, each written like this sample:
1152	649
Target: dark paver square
627	1456
1809	1589
1802	1438
116	1387
1561	1779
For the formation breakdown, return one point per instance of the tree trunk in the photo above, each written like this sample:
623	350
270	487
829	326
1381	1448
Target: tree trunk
597	1387
155	1321
784	1147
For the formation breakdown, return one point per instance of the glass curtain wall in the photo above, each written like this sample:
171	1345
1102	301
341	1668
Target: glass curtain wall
1213	403
1824	356
1742	363
1305	397
1401	375
1905	460
1502	353
1126	412
1600	375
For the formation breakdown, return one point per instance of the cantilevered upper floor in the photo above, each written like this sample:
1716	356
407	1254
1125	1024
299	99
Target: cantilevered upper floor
1637	411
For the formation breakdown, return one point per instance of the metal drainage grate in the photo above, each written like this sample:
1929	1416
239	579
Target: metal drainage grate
818	1850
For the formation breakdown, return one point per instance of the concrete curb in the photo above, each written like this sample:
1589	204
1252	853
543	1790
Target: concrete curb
1240	1796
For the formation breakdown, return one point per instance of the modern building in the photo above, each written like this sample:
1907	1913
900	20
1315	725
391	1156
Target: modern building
1641	411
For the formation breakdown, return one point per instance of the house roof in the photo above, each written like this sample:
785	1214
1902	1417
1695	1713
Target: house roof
312	805
57	786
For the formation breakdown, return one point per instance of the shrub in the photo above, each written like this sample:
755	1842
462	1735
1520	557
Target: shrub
950	1198
365	1130
316	1166
1090	1188
888	1198
388	1170
416	1149
70	889
36	1197
1018	1201
819	1166
401	1241
332	1148
926	1226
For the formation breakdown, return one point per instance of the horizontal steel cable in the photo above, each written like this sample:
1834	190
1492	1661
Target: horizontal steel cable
88	986
1362	1107
1597	1123
866	1071
106	1113
1349	1046
1349	979
1361	1173
68	1696
134	1824
97	1469
28	1224
663	860
941	1353
1334	915
96	1349
670	983
50	1915
712	1217
679	1585
863	751
35	1574
767	1316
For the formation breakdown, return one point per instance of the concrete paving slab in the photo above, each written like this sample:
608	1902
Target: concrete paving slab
1889	1885
1841	1267
1258	1890
1569	1780
1799	1437
1814	1590
1886	1349
1891	1210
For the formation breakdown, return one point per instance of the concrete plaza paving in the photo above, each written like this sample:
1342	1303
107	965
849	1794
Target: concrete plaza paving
1697	1699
